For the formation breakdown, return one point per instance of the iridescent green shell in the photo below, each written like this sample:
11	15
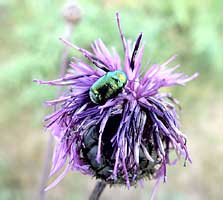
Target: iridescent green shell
108	86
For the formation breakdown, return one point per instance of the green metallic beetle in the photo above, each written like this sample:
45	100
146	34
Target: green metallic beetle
108	86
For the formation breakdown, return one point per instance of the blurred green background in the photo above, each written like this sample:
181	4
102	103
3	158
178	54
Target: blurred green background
29	32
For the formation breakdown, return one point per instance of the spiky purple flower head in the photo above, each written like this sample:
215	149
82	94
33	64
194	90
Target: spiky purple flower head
128	137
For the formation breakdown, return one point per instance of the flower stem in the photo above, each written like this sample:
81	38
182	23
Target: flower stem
49	151
97	191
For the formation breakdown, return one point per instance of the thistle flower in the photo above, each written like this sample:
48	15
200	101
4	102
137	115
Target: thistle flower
126	137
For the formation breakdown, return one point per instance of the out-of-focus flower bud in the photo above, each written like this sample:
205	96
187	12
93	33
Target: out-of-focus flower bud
71	12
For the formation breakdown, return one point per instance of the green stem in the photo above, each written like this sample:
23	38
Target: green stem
97	191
